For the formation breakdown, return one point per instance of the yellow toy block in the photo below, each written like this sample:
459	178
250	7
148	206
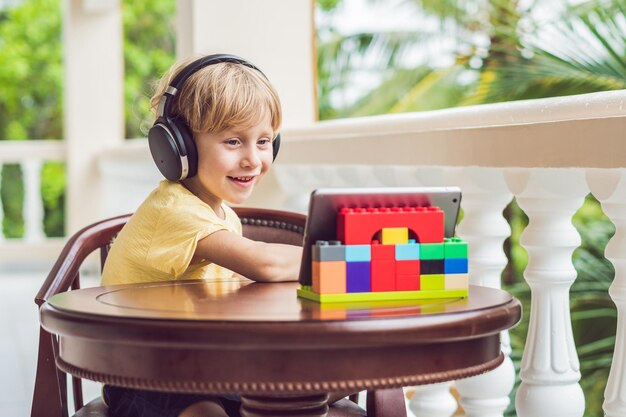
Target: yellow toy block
395	235
432	282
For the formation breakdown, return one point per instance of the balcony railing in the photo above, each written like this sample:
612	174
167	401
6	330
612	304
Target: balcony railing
34	247
548	154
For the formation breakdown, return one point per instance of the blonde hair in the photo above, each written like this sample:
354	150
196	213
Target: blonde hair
221	97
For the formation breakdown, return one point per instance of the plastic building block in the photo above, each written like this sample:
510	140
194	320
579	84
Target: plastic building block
455	266
329	251
432	282
358	253
431	251
383	276
407	282
407	268
329	277
385	296
395	235
456	281
358	277
432	266
383	252
455	247
408	252
357	225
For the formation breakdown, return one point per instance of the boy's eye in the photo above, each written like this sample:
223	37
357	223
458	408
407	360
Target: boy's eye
264	141
232	142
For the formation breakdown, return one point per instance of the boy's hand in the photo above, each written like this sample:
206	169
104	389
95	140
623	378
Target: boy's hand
259	261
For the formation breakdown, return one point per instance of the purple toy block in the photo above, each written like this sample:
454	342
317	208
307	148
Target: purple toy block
358	277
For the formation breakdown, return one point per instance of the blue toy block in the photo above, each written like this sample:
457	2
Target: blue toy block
332	250
456	266
408	252
358	253
358	277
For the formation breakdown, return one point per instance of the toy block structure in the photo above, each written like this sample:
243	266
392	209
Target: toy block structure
396	253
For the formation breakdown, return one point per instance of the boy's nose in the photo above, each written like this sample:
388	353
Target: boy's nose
251	158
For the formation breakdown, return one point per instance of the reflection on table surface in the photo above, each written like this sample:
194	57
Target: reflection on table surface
239	299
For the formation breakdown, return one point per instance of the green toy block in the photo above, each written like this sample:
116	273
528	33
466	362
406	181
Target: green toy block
430	251
455	247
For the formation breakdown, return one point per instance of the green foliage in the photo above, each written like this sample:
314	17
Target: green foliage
12	196
31	98
581	50
53	182
31	74
149	46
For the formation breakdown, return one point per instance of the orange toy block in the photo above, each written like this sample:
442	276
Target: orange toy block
329	277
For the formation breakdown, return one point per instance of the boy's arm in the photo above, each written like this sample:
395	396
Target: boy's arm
259	261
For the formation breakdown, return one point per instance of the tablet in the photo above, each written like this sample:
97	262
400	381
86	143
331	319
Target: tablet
325	203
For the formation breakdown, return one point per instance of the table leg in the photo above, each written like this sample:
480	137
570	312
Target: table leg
303	405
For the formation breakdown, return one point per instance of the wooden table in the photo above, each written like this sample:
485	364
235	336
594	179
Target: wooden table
260	340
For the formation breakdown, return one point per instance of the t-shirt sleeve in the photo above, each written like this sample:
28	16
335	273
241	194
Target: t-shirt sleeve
176	235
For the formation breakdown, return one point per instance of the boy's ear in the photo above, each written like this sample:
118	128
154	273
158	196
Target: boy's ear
173	148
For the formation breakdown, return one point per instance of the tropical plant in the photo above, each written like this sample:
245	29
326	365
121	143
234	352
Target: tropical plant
503	52
31	99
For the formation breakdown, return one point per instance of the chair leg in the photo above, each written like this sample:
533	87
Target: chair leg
48	400
386	403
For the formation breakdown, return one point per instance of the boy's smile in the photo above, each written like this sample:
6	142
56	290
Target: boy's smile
230	163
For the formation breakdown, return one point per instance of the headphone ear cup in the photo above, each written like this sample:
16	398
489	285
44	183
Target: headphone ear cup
186	138
276	146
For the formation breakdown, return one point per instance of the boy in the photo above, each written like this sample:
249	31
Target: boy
183	230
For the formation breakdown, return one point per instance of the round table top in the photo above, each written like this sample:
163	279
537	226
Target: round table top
266	327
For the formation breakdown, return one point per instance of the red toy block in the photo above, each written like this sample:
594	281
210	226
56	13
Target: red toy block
383	275
383	252
407	268
407	282
356	226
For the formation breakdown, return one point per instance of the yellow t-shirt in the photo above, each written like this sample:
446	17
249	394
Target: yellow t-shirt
159	240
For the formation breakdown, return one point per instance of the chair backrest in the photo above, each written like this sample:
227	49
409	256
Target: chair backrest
50	394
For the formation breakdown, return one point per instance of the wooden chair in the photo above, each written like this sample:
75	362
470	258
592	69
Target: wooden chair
50	398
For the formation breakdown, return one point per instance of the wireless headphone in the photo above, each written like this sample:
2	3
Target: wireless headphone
170	139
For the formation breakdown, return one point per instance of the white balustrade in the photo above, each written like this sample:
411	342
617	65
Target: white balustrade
34	247
550	367
433	400
33	203
485	196
609	187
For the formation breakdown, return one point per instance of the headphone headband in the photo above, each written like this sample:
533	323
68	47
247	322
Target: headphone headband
174	87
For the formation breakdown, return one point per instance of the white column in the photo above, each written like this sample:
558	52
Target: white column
434	400
485	196
609	186
276	35
33	204
94	100
550	367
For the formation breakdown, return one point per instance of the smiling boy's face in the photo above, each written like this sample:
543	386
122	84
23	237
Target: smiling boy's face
231	163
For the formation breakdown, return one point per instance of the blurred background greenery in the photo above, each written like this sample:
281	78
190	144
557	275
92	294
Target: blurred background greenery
430	54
